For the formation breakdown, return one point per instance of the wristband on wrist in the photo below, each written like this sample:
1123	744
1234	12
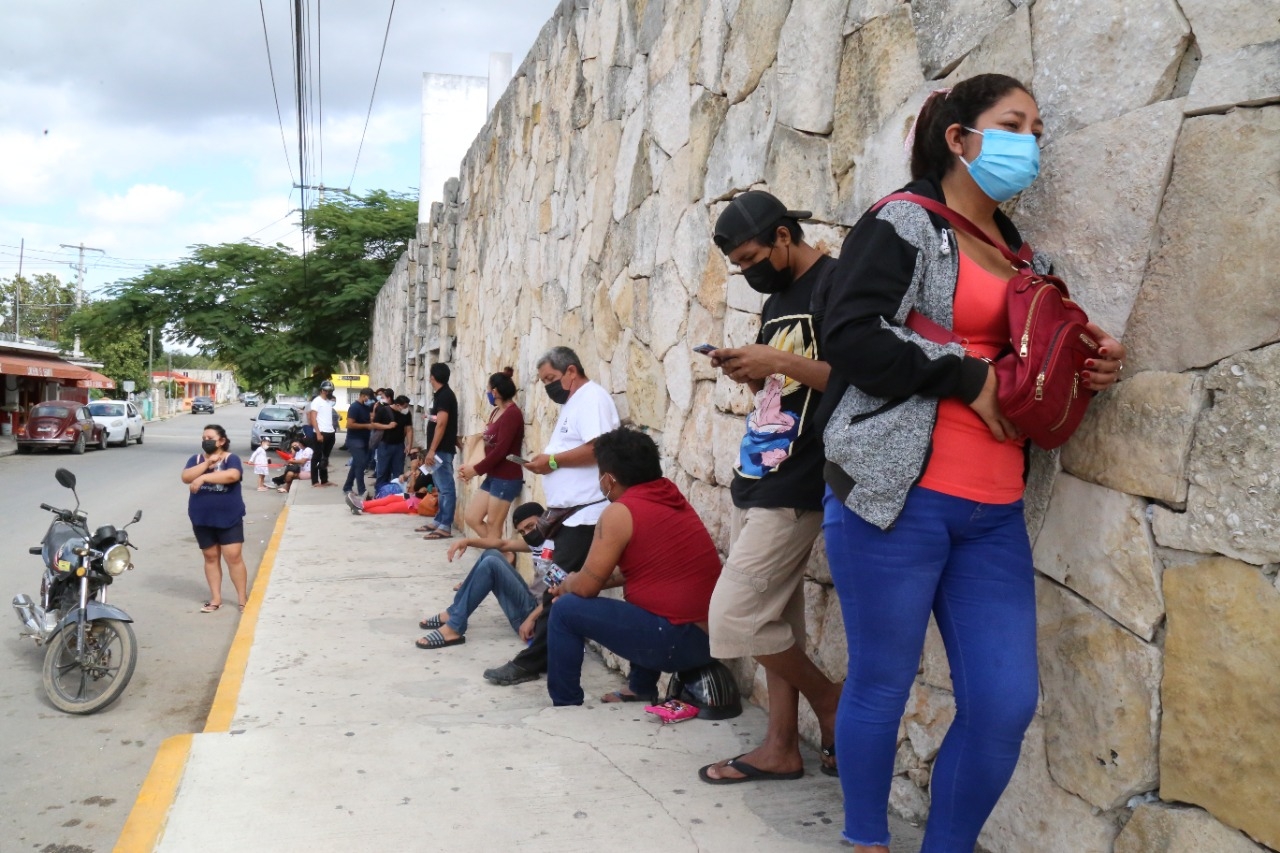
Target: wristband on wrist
551	462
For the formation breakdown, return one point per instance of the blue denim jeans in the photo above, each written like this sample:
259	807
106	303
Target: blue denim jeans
359	459
492	573
442	474
390	463
969	564
651	643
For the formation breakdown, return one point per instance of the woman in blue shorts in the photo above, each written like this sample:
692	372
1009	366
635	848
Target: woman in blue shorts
503	436
216	510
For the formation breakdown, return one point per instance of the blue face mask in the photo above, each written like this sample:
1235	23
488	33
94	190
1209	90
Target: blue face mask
1007	165
488	395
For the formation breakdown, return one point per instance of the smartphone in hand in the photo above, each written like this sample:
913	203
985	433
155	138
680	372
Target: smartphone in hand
705	349
519	460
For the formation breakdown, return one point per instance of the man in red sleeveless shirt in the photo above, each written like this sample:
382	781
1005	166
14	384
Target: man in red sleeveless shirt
652	544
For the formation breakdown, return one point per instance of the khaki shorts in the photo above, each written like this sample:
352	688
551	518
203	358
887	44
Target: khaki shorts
758	604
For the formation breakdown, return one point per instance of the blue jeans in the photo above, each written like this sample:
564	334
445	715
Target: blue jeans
651	643
492	573
442	474
359	459
390	463
970	565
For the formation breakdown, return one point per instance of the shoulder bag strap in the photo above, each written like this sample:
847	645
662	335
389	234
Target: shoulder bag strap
1020	260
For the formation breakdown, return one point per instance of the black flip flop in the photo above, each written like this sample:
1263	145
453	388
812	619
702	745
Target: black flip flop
431	622
829	769
436	640
749	772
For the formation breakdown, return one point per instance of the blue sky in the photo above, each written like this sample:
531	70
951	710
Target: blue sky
145	127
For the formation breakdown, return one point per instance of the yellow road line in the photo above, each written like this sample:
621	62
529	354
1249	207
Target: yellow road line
146	821
150	811
228	695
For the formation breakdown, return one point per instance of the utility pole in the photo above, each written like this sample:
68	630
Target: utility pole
151	371
17	289
79	268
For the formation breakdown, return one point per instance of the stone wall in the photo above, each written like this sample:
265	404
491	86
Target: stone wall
582	215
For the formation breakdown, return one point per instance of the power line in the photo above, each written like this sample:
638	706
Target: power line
272	70
373	93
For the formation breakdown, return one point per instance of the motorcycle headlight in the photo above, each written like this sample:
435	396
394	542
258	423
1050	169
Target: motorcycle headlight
117	560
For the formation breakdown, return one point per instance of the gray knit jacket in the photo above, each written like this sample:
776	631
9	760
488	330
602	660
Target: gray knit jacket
882	400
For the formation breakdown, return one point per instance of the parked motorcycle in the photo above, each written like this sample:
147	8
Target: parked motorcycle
91	651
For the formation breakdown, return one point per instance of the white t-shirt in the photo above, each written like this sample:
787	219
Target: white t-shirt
325	418
589	413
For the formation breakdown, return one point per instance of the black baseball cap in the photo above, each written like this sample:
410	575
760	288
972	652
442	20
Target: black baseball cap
749	215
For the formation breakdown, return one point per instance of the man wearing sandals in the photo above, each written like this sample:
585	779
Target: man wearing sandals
570	478
758	606
492	573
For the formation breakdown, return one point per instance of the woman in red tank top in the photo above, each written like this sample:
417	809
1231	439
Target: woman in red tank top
652	544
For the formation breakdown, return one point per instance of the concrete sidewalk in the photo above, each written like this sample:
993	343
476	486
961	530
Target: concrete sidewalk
343	736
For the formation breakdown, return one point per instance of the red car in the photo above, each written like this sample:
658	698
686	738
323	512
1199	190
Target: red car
61	423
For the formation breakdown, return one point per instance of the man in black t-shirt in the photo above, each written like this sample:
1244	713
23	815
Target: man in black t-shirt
393	414
757	608
442	446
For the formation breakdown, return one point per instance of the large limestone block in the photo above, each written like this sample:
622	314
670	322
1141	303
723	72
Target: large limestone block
691	245
1137	436
832	649
668	112
754	31
948	29
1249	76
883	165
1162	829
1221	697
726	438
808	64
741	146
878	72
1096	59
668	310
1101	700
646	387
1233	503
1210	286
1006	50
863	11
1224	25
927	717
1094	207
1095	541
1034	813
705	117
709	58
799	167
632	180
695	453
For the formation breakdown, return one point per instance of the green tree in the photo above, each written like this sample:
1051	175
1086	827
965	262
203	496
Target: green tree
44	304
271	315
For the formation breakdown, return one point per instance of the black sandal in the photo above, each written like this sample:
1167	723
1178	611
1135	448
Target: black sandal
828	769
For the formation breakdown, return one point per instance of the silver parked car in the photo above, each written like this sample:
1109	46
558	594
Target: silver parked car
121	418
276	424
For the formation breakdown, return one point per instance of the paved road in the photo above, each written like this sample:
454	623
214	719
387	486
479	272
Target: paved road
67	783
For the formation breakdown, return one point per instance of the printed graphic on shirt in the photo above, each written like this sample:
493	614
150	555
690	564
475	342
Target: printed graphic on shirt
783	405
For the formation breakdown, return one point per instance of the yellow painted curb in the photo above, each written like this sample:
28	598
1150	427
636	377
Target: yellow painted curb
228	695
150	811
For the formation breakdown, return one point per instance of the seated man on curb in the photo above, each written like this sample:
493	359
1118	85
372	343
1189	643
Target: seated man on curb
650	542
491	573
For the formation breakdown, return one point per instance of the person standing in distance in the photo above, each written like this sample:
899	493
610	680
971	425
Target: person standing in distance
757	608
322	423
442	446
571	479
359	423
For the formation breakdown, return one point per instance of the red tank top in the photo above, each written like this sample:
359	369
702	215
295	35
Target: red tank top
966	461
670	564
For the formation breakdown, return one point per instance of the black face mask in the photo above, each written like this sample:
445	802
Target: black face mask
533	538
209	445
556	392
764	278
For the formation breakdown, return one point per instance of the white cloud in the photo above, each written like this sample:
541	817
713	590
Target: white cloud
142	204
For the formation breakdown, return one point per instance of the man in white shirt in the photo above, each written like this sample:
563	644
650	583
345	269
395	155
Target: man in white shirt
571	480
322	422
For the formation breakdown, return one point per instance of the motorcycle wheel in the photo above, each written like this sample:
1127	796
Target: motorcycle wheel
83	687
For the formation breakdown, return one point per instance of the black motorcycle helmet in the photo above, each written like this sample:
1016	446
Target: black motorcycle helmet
711	689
